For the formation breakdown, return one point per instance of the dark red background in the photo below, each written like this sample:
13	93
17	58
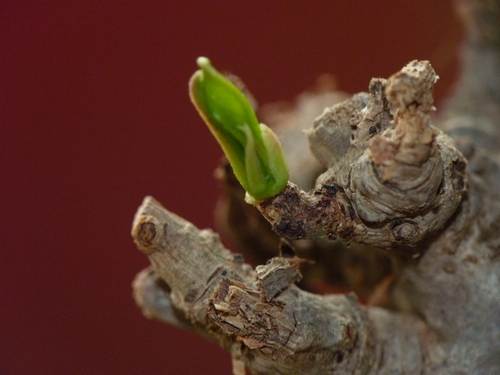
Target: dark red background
95	115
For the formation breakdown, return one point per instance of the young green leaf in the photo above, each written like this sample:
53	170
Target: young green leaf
253	150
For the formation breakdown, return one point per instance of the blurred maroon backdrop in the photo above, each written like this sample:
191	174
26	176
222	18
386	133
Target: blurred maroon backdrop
95	115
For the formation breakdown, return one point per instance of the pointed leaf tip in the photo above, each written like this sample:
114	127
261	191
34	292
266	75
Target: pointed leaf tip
203	62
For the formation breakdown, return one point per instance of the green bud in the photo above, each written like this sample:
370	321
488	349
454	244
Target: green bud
253	150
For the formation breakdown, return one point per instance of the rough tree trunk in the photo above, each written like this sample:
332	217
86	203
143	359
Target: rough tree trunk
386	178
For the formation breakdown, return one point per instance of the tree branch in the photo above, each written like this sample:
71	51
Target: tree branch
261	317
393	181
398	183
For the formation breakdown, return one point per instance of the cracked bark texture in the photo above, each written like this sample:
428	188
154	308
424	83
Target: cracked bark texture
388	177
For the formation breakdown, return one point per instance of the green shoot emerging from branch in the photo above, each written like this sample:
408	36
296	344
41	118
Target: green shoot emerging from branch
253	149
